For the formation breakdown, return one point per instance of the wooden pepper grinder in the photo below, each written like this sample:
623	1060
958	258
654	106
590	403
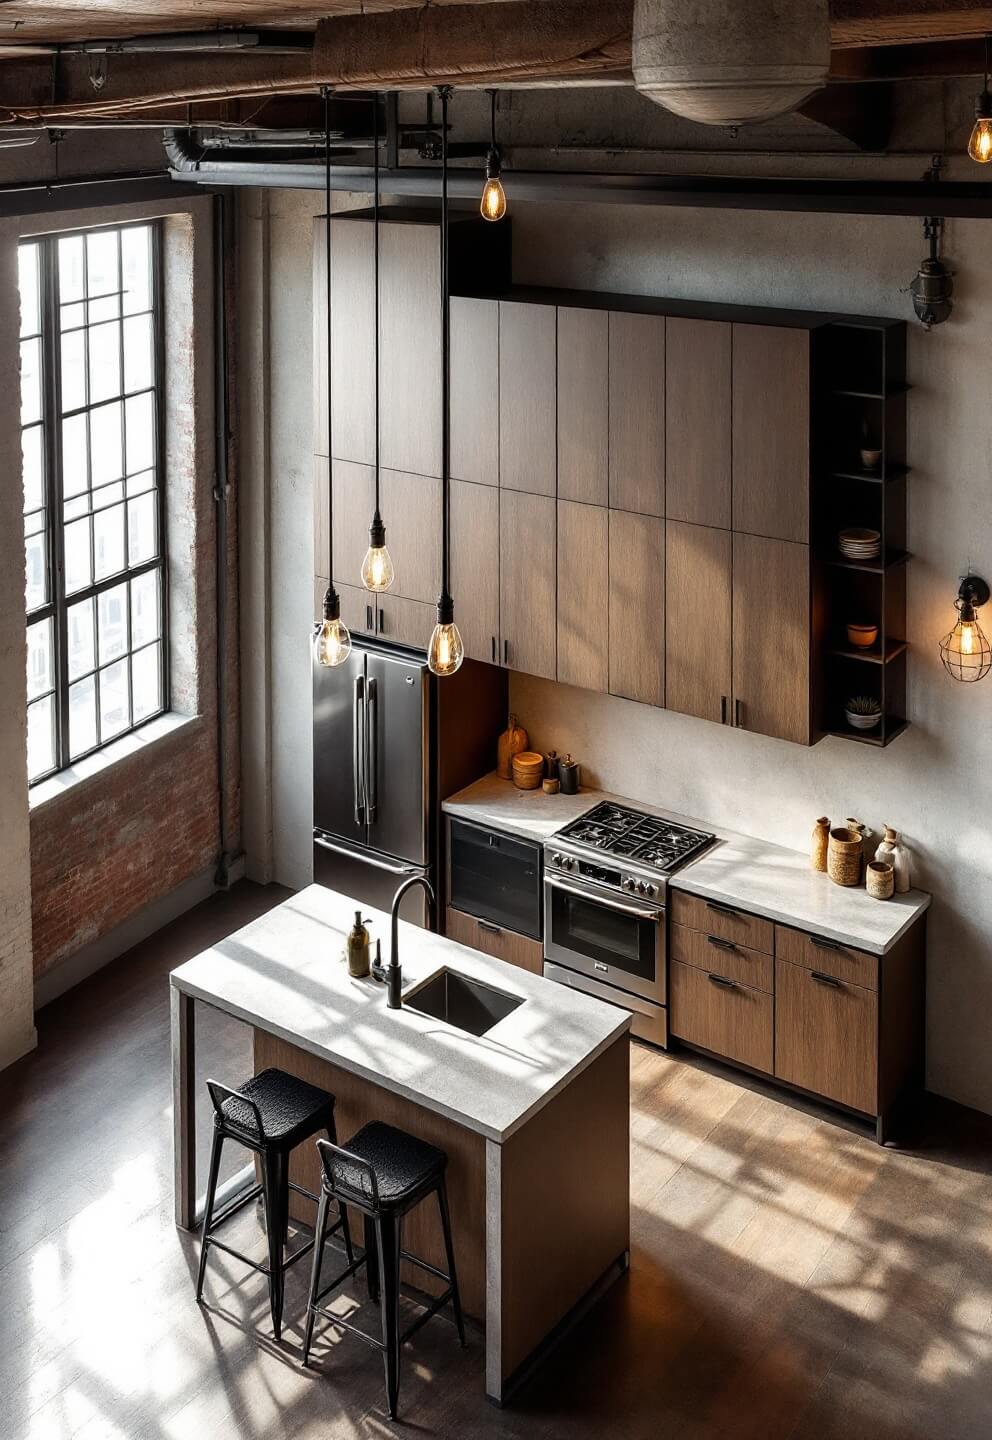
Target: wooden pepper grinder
818	846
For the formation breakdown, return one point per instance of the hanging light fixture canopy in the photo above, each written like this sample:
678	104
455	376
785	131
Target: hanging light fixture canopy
966	652
493	206
377	567
446	651
332	640
980	144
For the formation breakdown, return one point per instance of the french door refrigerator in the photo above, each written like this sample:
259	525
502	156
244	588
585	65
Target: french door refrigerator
372	778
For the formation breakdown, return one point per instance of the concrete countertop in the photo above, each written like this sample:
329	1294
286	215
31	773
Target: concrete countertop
285	973
766	879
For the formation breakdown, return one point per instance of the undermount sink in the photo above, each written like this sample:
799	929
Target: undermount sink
466	1004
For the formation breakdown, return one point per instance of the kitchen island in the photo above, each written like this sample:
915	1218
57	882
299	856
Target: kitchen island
533	1114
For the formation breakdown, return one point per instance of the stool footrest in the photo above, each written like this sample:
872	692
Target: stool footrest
238	1203
423	1265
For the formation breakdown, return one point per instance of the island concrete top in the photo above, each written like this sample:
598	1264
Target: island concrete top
285	973
766	879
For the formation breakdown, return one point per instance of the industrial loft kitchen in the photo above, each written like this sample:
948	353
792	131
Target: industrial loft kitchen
495	712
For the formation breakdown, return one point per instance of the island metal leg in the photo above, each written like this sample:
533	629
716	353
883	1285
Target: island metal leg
184	1107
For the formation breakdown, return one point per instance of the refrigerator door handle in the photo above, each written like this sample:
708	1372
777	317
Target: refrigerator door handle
358	758
372	750
365	858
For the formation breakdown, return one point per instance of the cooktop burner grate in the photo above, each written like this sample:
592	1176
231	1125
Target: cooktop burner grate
648	839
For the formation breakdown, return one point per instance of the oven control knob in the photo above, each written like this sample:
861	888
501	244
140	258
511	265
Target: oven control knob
641	887
570	863
649	890
628	884
556	859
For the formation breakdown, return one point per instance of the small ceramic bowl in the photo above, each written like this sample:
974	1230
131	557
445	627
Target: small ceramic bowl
871	459
858	720
862	637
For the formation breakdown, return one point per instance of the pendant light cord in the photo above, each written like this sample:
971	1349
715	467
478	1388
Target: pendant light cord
326	91
492	95
445	93
375	281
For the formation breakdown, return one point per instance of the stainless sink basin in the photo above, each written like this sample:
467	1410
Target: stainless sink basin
467	1004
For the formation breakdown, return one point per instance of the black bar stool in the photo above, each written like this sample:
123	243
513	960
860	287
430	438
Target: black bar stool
270	1115
384	1173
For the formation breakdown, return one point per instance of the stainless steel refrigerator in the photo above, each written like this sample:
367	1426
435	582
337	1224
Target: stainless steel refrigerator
372	726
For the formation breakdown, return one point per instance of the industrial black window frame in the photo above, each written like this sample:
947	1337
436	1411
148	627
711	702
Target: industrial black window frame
57	605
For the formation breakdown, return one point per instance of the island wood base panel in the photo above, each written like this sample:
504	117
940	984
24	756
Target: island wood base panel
537	1221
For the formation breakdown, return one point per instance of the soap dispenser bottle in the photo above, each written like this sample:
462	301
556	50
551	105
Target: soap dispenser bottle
357	949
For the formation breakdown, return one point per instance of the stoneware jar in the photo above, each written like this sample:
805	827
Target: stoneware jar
844	856
880	881
818	844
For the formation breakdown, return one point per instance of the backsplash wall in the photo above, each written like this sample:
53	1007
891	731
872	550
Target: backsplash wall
935	782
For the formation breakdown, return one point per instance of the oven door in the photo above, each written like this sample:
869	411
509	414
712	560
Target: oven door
605	936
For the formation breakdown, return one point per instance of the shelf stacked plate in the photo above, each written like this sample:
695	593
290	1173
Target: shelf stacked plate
857	544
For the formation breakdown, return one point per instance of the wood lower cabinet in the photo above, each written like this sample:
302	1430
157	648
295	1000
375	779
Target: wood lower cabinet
527	398
826	1036
405	622
475	567
698	620
527	582
637	607
637	412
495	940
772	647
583	405
722	957
771	431
698	404
719	1014
583	595
358	608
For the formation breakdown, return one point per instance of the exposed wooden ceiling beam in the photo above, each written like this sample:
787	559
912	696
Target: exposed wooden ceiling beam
858	23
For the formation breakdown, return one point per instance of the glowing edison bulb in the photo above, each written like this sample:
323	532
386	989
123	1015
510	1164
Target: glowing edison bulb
966	639
493	206
377	568
332	642
980	144
446	651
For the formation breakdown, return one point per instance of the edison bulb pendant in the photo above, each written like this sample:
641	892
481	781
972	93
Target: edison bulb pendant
332	642
493	205
377	569
980	144
966	652
446	651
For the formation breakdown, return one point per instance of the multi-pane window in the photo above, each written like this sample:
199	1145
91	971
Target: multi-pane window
93	501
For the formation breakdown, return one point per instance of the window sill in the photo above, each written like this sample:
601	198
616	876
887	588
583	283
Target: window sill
163	727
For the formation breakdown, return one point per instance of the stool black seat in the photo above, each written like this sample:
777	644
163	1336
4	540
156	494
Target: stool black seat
270	1114
383	1172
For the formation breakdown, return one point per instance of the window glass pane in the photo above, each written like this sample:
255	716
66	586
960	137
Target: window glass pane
138	483
72	316
114	715
139	419
41	737
82	716
101	262
75	476
141	527
31	381
36	571
105	361
27	284
72	509
31	463
138	352
41	676
136	257
77	555
112	610
146	682
108	542
71	268
34	523
108	307
108	495
145	619
73	370
105	443
79	629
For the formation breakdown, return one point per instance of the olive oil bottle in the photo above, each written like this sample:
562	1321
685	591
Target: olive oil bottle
357	948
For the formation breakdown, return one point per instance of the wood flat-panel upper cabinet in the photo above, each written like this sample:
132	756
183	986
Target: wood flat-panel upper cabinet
358	608
583	595
475	390
406	622
826	1036
698	417
475	567
527	582
411	509
410	343
583	405
698	614
772	637
352	330
637	412
527	397
637	607
353	501
771	429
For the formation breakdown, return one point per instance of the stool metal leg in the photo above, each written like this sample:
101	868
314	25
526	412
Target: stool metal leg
320	1235
208	1213
276	1192
449	1250
390	1231
332	1135
372	1258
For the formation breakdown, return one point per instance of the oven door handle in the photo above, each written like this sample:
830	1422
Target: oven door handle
654	915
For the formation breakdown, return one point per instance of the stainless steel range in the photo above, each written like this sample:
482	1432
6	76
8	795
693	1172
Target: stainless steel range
605	882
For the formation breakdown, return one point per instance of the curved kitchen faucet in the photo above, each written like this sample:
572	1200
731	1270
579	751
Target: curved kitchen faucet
392	974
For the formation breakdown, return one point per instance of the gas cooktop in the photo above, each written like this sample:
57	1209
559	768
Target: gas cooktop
645	840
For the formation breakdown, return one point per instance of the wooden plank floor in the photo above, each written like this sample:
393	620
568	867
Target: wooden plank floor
789	1280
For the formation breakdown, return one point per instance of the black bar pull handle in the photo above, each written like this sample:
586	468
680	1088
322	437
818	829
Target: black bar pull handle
494	649
721	944
822	943
721	980
723	709
822	979
368	617
506	652
738	715
723	909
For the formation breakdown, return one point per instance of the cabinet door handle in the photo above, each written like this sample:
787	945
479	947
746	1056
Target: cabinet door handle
721	980
368	617
489	929
494	649
738	715
723	909
721	944
822	979
723	709
822	943
506	652
382	621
